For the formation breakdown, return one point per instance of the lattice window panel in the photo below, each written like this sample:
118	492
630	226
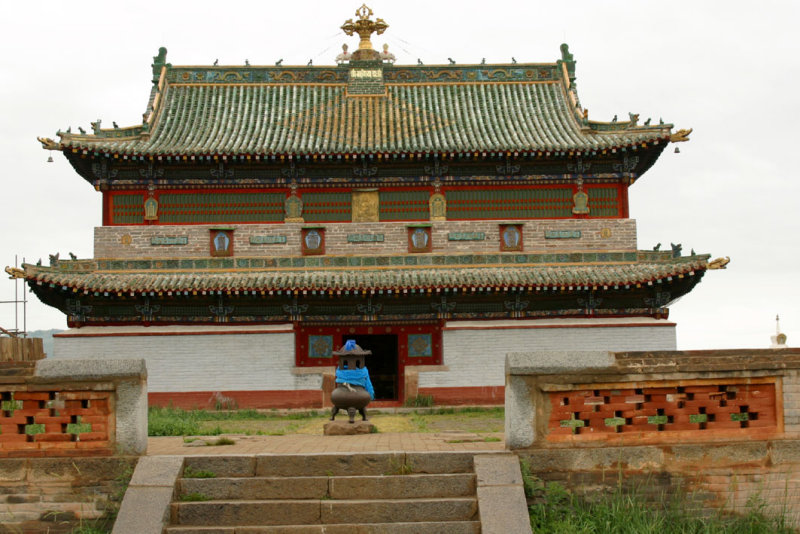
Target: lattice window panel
404	205
326	207
701	409
56	420
603	201
216	208
127	209
540	203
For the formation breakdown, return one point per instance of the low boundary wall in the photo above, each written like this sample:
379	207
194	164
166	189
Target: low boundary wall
723	426
74	408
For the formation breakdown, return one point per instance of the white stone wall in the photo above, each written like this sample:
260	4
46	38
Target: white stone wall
216	362
475	355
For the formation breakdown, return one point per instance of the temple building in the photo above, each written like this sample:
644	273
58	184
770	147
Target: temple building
440	215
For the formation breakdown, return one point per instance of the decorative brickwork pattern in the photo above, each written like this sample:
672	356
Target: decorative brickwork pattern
596	413
55	423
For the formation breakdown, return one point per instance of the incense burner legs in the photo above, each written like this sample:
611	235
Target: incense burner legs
352	399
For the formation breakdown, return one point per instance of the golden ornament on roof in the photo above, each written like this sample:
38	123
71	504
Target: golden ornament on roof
364	27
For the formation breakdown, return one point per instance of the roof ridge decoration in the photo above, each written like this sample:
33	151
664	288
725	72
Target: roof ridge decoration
364	27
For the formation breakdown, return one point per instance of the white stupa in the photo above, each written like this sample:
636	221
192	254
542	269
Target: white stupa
779	339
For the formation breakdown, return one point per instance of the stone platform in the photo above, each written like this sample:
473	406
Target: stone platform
345	428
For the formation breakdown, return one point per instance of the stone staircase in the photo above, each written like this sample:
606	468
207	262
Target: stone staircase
366	493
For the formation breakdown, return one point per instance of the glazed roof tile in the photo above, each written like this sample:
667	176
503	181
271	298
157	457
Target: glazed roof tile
309	111
375	278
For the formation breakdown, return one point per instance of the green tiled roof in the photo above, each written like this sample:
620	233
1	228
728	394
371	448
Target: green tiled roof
264	111
397	277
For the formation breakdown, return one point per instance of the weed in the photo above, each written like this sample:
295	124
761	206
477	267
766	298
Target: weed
188	472
195	497
222	441
421	401
401	467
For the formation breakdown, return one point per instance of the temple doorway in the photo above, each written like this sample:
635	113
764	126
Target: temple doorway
383	364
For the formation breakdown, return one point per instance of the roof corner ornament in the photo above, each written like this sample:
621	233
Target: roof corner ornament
159	62
14	273
48	144
634	118
565	53
96	126
681	136
364	27
719	263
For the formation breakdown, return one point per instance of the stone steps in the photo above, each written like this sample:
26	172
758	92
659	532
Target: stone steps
309	512
340	487
392	493
434	527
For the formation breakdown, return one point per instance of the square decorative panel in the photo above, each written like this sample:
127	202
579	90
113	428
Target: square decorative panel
419	239
313	241
420	346
320	346
221	243
510	237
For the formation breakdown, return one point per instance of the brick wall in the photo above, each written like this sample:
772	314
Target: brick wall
135	241
58	494
194	361
712	476
474	352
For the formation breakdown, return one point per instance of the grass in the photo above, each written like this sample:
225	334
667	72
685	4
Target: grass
195	497
176	422
188	472
629	511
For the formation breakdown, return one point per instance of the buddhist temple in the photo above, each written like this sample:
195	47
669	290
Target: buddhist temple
441	216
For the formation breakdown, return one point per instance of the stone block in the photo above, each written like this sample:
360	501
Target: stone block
144	510
223	466
391	511
557	362
403	486
229	513
785	451
497	470
503	509
440	462
331	464
720	454
12	470
345	428
251	488
157	471
594	458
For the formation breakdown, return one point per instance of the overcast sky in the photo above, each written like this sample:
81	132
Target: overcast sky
728	69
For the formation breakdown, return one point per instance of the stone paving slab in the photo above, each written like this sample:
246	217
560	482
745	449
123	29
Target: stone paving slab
310	443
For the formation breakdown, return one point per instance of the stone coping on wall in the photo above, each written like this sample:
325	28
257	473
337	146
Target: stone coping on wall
591	398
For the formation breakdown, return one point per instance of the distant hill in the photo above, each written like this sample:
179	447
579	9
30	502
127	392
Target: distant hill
47	338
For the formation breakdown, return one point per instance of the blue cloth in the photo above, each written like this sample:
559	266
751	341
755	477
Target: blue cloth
356	377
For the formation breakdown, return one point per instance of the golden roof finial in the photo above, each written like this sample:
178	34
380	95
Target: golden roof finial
364	27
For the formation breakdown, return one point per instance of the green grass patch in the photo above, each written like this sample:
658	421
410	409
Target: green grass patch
195	497
188	472
222	441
